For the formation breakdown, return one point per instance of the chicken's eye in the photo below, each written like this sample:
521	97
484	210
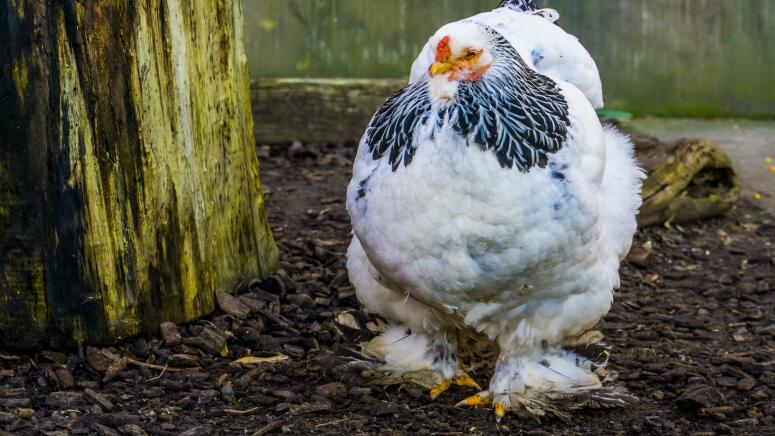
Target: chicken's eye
470	55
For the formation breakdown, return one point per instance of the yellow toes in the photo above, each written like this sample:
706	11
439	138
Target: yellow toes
500	411
462	380
476	400
440	389
466	381
484	398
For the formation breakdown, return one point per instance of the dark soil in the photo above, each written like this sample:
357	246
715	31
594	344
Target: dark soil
692	330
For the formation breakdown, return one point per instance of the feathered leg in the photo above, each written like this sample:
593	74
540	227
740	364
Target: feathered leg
548	381
399	356
414	347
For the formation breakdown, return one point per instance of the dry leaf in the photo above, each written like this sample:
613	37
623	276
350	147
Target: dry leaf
254	360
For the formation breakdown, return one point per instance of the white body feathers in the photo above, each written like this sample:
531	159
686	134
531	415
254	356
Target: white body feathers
456	239
521	257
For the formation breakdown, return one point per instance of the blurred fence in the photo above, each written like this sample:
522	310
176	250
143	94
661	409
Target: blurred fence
661	57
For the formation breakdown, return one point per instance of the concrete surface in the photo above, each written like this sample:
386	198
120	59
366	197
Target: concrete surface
748	143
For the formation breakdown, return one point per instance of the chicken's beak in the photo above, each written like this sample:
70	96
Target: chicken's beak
440	68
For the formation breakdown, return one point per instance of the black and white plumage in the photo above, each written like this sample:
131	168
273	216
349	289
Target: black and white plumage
486	197
391	131
545	47
518	114
519	5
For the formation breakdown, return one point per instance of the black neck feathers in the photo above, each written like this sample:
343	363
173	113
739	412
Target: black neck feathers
513	111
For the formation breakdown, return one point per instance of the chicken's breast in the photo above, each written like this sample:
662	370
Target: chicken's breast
493	245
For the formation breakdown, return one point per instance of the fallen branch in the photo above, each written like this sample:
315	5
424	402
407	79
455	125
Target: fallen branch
688	180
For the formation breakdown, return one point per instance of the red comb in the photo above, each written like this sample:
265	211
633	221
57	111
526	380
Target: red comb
443	51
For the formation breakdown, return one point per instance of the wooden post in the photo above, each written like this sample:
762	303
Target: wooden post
129	184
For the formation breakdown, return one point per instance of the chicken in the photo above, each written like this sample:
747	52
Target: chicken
488	202
544	46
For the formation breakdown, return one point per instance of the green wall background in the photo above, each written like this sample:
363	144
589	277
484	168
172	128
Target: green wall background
657	57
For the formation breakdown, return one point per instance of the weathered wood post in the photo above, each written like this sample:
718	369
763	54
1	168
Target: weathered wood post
129	183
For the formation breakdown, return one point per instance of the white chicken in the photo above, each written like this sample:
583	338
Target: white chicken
543	45
486	197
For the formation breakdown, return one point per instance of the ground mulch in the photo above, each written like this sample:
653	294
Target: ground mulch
692	332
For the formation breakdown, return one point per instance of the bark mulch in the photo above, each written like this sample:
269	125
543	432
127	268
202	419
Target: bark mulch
692	330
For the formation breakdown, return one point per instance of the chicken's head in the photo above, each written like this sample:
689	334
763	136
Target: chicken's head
462	52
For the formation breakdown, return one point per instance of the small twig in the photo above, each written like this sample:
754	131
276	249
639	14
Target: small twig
336	421
152	366
113	357
272	426
161	374
240	412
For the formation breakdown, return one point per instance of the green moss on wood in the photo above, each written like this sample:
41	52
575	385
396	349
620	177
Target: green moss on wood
136	129
688	180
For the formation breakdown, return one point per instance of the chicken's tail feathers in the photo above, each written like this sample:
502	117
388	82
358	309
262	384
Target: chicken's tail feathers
519	5
621	188
529	6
